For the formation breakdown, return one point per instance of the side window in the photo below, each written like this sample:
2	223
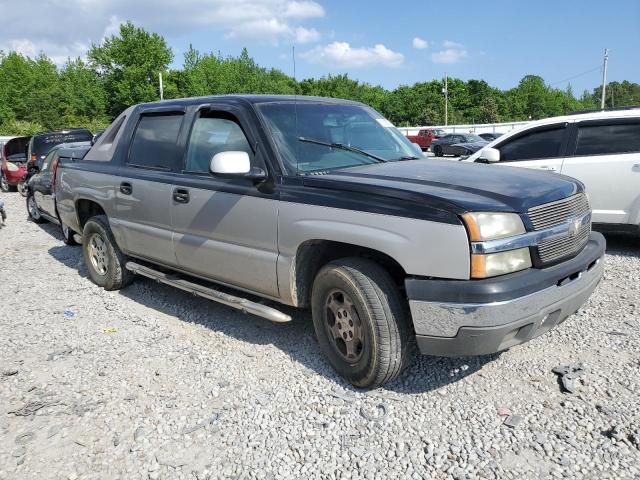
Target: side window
608	139
46	163
154	142
537	145
214	133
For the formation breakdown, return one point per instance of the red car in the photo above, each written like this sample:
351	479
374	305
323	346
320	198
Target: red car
13	162
426	136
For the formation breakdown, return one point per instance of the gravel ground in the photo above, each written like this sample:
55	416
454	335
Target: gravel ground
152	383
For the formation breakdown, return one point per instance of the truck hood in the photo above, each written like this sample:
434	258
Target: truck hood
454	186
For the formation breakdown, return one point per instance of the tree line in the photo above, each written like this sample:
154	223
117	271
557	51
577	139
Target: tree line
123	69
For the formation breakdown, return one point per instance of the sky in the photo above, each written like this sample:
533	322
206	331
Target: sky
384	43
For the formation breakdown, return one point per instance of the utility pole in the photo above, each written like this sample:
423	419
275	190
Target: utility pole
445	90
604	77
161	86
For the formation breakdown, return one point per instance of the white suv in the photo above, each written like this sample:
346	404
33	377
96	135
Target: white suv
601	149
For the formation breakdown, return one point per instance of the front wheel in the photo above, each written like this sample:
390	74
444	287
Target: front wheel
22	188
34	211
104	260
360	321
4	185
437	151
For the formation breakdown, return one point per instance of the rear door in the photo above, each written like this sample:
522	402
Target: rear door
225	229
605	156
541	148
143	192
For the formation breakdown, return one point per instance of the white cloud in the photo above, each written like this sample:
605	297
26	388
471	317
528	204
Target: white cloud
68	28
420	44
342	54
306	35
452	53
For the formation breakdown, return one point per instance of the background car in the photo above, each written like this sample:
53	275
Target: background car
600	148
41	143
491	136
457	144
426	136
41	204
13	159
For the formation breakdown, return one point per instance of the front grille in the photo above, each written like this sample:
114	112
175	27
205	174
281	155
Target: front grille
557	213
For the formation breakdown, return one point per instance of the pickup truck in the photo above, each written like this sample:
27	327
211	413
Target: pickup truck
425	136
320	203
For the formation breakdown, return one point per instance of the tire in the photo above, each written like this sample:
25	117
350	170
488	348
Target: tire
437	151
22	189
33	210
68	235
360	322
4	185
104	260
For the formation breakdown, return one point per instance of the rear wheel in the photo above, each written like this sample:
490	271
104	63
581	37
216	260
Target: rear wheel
104	260
360	322
34	211
22	188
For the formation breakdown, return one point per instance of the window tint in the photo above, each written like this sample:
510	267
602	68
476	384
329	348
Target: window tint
211	135
608	139
46	163
154	142
536	145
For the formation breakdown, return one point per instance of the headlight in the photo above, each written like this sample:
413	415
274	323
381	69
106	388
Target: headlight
493	264
485	226
492	225
12	167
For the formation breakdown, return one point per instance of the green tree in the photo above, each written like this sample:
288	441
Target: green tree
129	64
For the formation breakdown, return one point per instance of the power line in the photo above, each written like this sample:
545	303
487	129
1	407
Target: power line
599	67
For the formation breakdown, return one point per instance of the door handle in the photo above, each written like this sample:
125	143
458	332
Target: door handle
548	167
181	195
636	167
126	188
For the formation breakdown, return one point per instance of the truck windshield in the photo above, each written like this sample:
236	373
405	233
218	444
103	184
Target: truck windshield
330	136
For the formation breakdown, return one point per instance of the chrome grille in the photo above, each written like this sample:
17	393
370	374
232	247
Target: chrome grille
556	213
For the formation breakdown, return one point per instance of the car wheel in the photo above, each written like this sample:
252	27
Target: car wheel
104	260
4	185
68	235
361	322
34	211
23	189
437	151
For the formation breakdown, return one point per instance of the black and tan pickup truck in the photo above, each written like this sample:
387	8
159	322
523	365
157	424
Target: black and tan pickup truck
323	204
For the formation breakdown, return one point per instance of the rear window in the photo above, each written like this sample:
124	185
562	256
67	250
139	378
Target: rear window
608	139
154	143
42	144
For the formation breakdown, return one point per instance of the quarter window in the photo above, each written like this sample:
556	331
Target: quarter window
154	143
213	134
608	139
537	145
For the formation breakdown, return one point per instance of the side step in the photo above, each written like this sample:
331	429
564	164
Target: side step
242	304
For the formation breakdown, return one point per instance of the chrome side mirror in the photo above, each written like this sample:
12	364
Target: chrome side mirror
489	155
235	164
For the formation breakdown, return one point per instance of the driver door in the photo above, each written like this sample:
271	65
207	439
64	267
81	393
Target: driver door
541	148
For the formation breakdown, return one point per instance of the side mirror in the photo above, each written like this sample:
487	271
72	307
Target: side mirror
235	164
489	155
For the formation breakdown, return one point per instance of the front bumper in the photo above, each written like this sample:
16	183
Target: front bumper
477	317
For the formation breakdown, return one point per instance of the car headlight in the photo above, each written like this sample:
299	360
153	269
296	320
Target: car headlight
485	226
492	225
12	167
494	264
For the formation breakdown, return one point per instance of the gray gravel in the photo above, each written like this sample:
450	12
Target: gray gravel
152	383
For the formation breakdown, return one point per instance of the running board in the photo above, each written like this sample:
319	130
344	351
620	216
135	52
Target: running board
242	304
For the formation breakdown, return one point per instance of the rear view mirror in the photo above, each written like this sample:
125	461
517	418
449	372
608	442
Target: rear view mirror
489	155
235	164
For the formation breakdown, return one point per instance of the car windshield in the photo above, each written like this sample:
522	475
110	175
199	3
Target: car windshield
315	137
473	138
439	132
42	144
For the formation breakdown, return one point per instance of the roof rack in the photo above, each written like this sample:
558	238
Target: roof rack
612	109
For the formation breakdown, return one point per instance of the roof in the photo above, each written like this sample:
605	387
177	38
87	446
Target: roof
253	99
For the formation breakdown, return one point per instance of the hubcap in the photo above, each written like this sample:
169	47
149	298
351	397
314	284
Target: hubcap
344	326
33	208
97	249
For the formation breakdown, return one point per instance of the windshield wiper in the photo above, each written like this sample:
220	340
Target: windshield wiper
342	146
406	157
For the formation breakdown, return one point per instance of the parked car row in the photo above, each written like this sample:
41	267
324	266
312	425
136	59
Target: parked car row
21	157
429	138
